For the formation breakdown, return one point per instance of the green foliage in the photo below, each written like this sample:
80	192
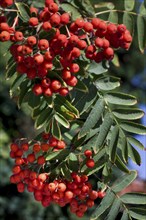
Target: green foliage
103	115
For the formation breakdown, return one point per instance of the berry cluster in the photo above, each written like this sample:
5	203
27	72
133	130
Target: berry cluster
29	172
6	3
35	153
78	192
56	39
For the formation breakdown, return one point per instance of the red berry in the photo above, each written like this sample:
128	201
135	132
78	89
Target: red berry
88	153
55	19
41	160
90	163
63	91
72	81
31	40
18	36
53	7
55	85
43	44
33	21
88	27
64	18
37	89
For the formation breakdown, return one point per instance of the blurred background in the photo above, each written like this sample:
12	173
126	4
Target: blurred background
130	66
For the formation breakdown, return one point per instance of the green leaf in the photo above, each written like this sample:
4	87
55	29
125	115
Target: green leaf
134	198
122	144
73	162
61	120
128	114
133	127
86	101
62	101
81	86
113	17
107	83
103	132
104	205
42	118
24	88
113	144
120	98
86	6
71	9
33	100
16	83
119	163
59	155
142	9
141	30
23	10
129	5
66	172
114	210
49	122
125	216
138	213
136	142
133	154
124	181
56	130
145	3
96	68
10	70
116	60
128	21
93	117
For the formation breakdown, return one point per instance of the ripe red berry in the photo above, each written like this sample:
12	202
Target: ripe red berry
99	42
55	85
74	68
63	91
90	163
14	147
53	7
48	92
79	22
31	158
101	194
55	19
64	18
88	27
72	81
88	153
33	21
47	26
4	36
36	148
95	22
25	146
38	59
31	40
37	89
43	44
109	53
41	160
18	36
121	28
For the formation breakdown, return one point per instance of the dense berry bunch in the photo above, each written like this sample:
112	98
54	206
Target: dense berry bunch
29	172
6	3
78	192
56	39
